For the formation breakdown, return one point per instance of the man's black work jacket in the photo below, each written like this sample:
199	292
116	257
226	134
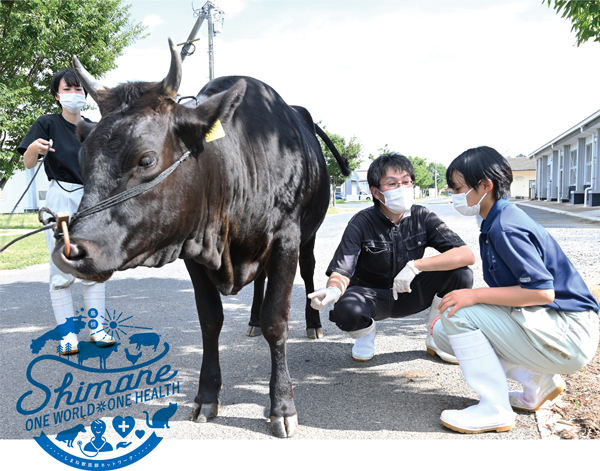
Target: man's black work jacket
373	249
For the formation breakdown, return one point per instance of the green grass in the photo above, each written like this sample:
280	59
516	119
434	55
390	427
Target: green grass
29	251
20	221
337	210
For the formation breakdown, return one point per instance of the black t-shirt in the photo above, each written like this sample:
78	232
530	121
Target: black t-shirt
373	249
63	163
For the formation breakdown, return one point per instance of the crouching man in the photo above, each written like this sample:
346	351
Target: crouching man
378	270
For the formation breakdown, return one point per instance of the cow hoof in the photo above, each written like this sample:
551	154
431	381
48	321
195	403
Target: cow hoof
253	331
314	333
284	427
205	412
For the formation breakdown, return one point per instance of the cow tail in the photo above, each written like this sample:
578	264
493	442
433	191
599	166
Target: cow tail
343	163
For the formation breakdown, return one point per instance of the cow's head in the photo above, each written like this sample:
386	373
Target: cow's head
143	131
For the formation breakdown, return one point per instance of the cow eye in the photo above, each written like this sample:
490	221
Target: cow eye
147	160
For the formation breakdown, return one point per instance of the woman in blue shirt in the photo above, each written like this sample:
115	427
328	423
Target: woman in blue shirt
536	320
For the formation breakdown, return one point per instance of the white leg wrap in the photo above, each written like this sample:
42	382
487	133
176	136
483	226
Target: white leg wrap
62	305
94	299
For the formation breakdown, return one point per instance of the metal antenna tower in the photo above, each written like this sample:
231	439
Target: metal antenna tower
215	17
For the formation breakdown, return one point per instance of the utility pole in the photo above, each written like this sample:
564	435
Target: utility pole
215	17
211	53
435	179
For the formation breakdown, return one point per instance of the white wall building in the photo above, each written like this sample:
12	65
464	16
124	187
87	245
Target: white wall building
16	185
523	185
568	167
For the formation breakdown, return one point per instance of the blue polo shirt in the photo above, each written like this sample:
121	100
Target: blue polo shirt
516	250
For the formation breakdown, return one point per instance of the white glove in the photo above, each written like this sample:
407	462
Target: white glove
404	279
324	296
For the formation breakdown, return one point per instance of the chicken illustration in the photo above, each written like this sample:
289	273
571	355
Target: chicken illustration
132	358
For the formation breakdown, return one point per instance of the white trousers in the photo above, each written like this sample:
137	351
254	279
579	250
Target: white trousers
540	338
59	200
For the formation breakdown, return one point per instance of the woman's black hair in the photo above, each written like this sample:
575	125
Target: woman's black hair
382	164
482	163
70	78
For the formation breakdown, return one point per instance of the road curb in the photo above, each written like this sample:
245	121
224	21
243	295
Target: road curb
558	211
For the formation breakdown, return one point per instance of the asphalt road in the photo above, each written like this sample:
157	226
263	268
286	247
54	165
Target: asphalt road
357	408
397	395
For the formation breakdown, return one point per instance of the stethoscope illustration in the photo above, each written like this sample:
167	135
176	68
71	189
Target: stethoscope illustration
91	442
98	428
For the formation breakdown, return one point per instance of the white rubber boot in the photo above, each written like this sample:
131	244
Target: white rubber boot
537	387
432	348
94	299
62	305
485	375
364	347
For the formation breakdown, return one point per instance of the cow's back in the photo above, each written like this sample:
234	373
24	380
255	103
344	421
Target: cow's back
278	158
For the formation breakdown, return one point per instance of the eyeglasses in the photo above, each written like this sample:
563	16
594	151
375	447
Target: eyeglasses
394	185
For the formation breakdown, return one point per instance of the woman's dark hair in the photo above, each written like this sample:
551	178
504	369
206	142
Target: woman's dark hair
479	163
382	165
70	78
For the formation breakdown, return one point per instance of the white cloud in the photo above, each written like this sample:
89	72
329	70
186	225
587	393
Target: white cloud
230	7
427	83
152	20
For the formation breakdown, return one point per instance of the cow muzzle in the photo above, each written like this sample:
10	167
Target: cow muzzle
80	259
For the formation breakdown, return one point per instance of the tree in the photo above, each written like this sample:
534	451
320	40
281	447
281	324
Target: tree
382	150
352	152
584	16
39	38
423	179
385	150
441	175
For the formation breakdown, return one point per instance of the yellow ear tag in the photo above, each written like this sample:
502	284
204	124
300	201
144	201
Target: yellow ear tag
216	132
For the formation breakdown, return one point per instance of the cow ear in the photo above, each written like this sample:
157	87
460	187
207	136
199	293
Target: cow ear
230	101
83	129
221	106
194	123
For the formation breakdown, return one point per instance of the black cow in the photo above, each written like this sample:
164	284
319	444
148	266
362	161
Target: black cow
249	198
89	350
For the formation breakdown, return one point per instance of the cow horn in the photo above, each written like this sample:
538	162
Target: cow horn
89	83
173	80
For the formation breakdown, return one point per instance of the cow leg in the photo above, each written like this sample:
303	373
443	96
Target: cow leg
210	314
314	329
257	300
274	317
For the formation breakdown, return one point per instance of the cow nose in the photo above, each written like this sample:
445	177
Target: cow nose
74	251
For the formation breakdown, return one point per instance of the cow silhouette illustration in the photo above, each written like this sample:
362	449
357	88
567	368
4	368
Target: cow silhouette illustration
89	350
149	339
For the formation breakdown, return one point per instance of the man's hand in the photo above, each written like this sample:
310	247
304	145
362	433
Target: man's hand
324	296
404	279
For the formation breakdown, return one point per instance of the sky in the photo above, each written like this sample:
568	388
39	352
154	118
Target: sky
429	78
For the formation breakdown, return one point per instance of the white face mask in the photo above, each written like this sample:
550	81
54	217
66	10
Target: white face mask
398	201
461	205
72	102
